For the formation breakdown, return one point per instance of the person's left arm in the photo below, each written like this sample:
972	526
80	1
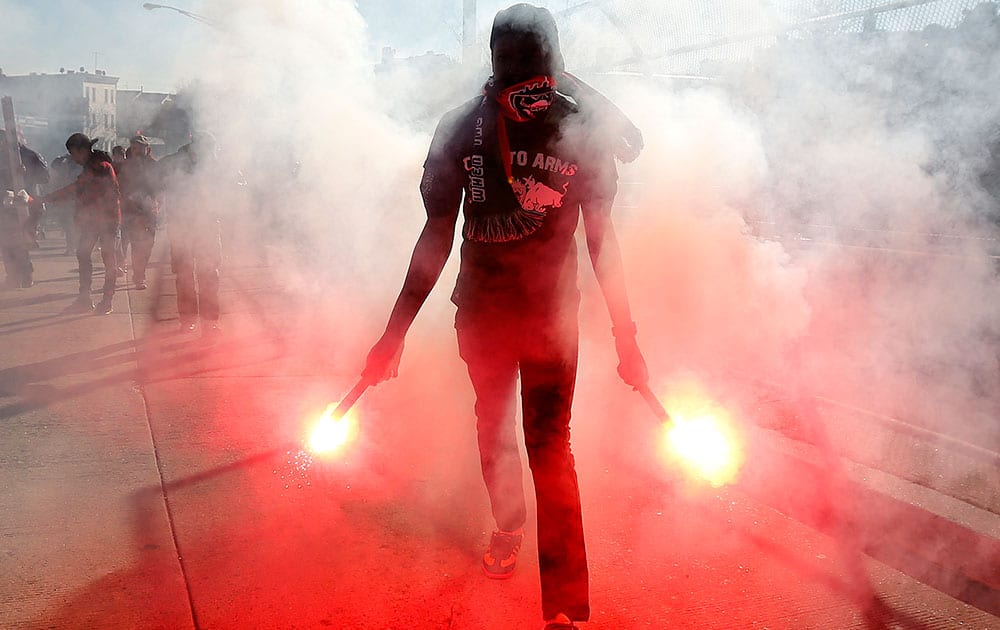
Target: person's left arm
605	256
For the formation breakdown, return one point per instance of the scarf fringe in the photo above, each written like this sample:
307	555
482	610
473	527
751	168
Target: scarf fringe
502	228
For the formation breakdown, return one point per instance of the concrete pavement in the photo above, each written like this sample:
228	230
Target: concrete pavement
151	479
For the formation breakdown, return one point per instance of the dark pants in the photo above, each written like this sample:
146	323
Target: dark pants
15	243
196	251
17	264
88	238
497	348
139	231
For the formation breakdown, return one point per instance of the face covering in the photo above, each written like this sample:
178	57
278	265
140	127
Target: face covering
525	100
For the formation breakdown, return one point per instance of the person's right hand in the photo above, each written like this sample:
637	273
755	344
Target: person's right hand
383	359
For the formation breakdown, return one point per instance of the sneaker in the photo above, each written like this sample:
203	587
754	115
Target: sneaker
500	559
140	285
103	307
560	622
81	304
187	325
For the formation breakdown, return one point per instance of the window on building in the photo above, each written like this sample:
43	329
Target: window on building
105	120
93	95
107	95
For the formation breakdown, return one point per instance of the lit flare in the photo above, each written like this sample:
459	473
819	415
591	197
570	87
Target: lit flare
337	426
701	438
330	433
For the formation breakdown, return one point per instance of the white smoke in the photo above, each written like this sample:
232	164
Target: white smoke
813	217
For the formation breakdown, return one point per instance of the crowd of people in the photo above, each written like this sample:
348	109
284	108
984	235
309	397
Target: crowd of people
112	203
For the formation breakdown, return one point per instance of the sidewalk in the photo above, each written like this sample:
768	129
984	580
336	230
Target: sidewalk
150	480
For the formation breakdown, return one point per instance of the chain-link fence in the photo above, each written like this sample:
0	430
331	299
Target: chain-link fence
685	38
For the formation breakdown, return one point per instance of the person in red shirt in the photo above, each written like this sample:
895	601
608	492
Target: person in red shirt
523	163
97	218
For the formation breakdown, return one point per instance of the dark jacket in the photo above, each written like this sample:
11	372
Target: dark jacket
36	171
140	185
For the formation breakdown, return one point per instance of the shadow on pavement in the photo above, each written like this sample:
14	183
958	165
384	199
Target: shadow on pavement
35	299
50	320
155	358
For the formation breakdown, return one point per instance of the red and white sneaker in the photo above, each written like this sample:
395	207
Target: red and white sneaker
560	622
500	559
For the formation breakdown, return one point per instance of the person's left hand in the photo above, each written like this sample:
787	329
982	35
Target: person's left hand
629	145
631	366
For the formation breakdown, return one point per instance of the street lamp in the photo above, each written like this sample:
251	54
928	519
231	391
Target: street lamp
149	6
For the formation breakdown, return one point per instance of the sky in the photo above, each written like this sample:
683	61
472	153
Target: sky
151	48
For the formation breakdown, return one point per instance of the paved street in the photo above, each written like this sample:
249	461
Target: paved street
152	479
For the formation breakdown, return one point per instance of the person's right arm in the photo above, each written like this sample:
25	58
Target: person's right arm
429	257
441	190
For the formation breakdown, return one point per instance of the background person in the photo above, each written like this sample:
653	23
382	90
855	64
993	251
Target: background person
191	180
18	222
137	178
97	218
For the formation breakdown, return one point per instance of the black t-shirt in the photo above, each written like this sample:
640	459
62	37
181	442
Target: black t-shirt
519	249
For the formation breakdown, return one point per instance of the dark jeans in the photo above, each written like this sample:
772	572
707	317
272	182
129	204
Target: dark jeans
196	252
497	347
89	236
139	232
15	242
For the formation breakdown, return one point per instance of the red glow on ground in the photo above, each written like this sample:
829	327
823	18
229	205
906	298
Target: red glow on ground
701	437
330	435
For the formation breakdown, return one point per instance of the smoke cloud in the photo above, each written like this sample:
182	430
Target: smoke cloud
812	216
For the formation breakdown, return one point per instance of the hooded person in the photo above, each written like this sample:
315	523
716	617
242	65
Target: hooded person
522	163
97	217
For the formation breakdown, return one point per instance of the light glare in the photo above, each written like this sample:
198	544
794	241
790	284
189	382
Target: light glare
330	434
701	438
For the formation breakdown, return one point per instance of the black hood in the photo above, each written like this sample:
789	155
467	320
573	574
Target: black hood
533	28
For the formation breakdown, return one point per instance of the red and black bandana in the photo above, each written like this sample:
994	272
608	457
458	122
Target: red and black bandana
525	100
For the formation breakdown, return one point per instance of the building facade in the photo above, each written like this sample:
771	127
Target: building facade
51	107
